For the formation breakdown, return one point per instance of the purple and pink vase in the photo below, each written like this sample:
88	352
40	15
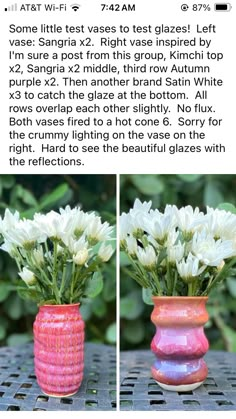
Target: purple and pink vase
59	349
179	343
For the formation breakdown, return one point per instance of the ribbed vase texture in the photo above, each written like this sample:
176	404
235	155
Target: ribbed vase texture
59	349
179	343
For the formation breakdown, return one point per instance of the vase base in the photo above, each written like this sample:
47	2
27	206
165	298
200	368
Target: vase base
180	388
59	395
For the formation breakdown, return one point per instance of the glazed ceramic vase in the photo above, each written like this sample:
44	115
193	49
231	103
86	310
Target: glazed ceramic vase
179	343
59	349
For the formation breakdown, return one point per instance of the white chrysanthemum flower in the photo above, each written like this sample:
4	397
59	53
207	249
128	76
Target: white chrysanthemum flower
97	231
53	224
76	219
147	257
68	211
125	226
139	206
25	234
209	251
159	227
153	242
188	219
105	252
38	256
9	221
170	211
172	238
81	257
27	276
189	268
132	224
132	245
221	224
175	253
75	246
60	249
8	247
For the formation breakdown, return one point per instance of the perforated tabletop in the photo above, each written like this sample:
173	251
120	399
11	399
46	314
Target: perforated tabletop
19	389
140	392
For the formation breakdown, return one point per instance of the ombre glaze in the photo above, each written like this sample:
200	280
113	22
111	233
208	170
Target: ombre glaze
59	349
179	343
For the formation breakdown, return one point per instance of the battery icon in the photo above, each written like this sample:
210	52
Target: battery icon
223	7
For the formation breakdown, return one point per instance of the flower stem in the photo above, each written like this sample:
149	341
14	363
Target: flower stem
63	280
190	289
54	277
72	283
169	281
221	275
174	285
157	282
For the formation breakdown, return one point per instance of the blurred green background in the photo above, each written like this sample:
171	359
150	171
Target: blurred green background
31	193
196	190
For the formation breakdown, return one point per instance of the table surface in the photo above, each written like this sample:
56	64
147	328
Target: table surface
140	392
19	389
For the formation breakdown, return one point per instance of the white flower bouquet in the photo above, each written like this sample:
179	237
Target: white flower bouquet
180	252
59	255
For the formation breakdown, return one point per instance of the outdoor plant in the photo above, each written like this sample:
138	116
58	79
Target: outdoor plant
178	252
58	254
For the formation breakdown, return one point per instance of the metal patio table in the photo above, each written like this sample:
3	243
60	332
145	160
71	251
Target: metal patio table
19	389
139	391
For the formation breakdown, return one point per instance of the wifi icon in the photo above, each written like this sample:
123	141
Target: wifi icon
75	7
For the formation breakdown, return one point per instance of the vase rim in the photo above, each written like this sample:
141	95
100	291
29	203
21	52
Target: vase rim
60	305
179	297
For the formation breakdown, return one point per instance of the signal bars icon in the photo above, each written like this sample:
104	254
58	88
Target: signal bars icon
75	7
11	8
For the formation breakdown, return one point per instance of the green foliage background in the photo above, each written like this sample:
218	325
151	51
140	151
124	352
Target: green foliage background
196	190
29	194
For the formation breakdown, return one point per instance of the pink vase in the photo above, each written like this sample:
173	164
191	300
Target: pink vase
179	343
59	349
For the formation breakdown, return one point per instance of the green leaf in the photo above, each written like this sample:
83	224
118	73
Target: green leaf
99	307
148	184
14	307
109	290
131	306
212	194
227	207
25	195
29	294
30	307
19	339
4	291
231	284
111	333
134	331
189	178
161	256
124	260
51	198
7	181
86	310
94	285
147	296
230	336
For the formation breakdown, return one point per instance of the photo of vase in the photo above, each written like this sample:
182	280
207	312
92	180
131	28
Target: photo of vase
59	246
179	343
59	349
179	252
